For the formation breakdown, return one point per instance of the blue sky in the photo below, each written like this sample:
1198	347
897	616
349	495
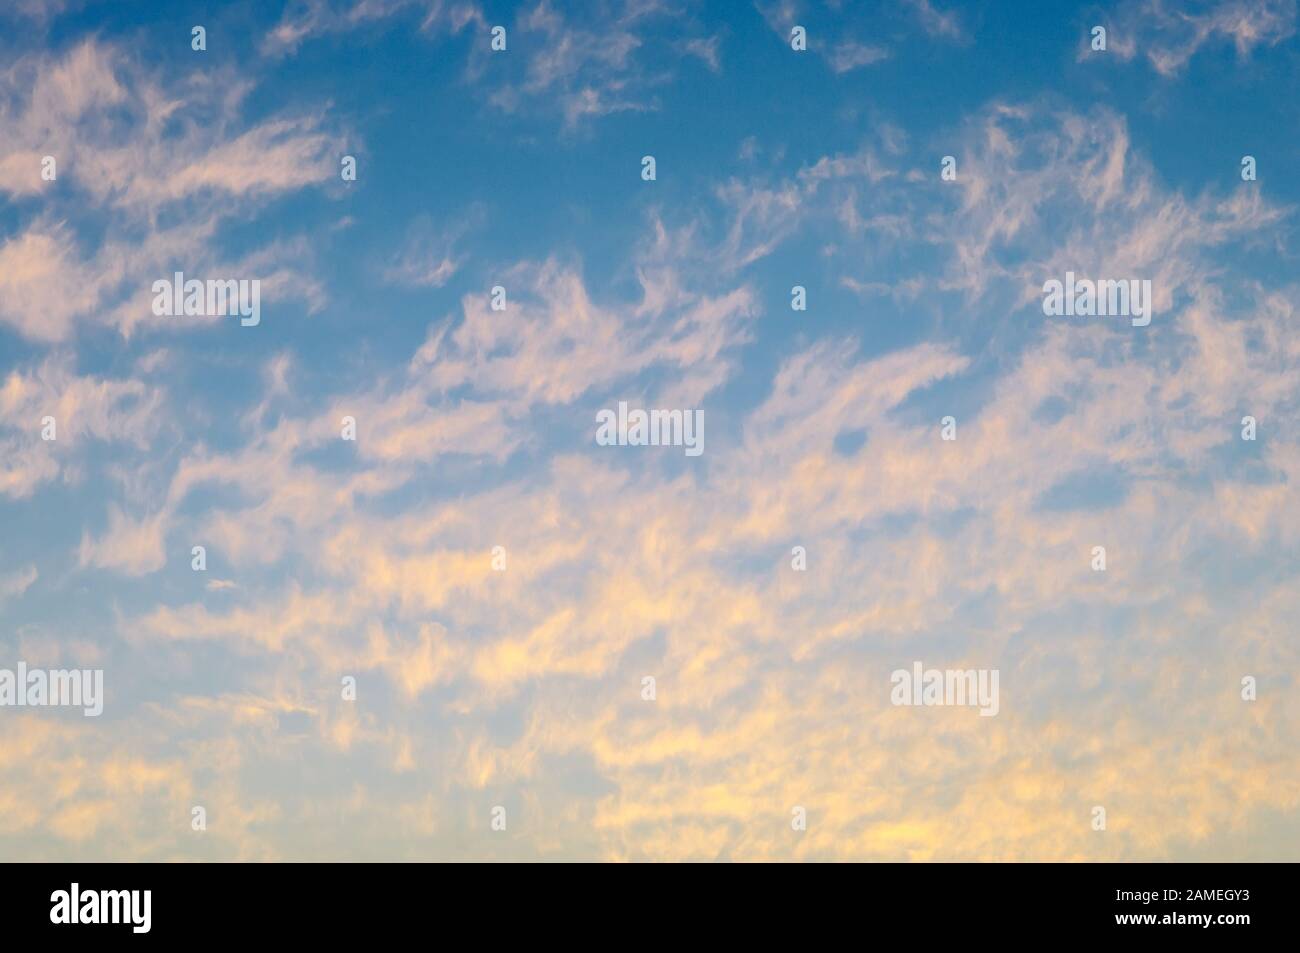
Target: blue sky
522	688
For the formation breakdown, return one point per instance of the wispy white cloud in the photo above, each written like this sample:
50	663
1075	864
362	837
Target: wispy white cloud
313	19
84	408
139	171
941	23
848	56
429	257
14	584
1170	34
